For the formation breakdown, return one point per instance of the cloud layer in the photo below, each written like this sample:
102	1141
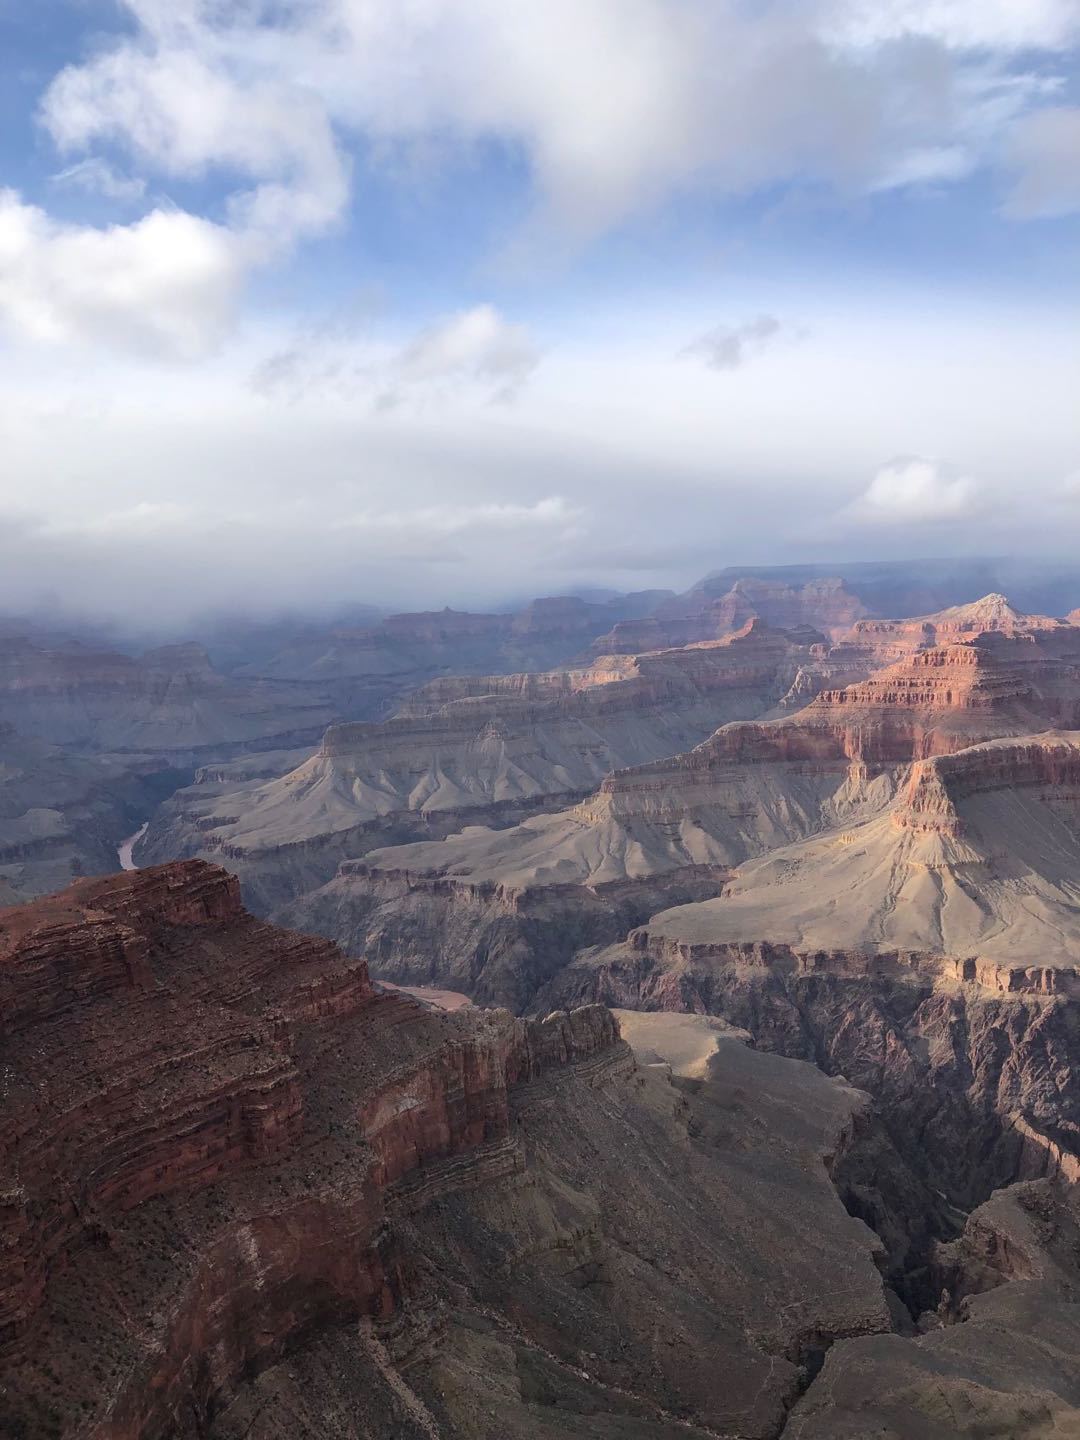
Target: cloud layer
215	177
611	106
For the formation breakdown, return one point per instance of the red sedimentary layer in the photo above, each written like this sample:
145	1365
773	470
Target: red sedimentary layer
933	702
825	605
673	956
162	1047
755	656
929	801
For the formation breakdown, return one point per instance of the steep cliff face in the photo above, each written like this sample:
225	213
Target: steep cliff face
976	857
927	954
969	1063
998	1356
825	606
244	1193
485	750
492	941
813	779
168	702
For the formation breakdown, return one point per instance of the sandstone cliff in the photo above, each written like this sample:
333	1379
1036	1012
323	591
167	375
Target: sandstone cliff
245	1193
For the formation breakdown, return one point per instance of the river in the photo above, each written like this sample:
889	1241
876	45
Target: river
128	845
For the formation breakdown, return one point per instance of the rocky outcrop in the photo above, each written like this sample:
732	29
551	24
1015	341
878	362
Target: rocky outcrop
498	944
485	750
222	1148
842	821
997	1352
953	1052
928	955
824	605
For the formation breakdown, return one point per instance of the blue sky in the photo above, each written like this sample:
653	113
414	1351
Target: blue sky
447	300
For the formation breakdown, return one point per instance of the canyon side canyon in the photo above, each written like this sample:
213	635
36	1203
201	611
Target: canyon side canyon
646	1017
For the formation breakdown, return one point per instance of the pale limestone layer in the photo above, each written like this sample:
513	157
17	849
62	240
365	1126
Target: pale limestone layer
992	870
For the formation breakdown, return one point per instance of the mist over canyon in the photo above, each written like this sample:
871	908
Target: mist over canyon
539	720
646	1014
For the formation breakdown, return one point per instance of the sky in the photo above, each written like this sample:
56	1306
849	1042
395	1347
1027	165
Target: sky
420	302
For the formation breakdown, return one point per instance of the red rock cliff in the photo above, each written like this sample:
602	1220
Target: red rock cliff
201	1118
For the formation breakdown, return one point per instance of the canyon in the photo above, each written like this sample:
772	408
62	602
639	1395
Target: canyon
673	1034
475	750
497	912
126	728
294	1201
286	1189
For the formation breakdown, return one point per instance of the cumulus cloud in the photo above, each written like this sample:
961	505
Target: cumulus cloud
912	489
727	347
1044	154
183	100
162	285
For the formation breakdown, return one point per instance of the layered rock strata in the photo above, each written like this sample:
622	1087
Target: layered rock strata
168	702
489	749
752	788
367	667
702	614
245	1193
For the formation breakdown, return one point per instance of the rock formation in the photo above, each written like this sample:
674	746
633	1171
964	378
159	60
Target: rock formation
291	1201
488	909
366	668
62	815
169	702
484	749
703	613
885	885
998	1358
245	1193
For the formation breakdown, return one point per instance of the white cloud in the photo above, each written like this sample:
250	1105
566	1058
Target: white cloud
612	105
1044	152
912	489
188	98
162	285
727	347
475	350
132	486
1007	25
477	344
553	512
